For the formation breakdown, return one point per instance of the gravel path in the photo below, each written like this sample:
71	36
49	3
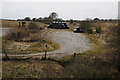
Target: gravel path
69	42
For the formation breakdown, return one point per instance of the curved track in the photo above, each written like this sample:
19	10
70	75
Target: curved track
69	42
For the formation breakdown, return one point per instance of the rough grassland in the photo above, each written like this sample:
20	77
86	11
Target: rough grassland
30	47
93	64
14	24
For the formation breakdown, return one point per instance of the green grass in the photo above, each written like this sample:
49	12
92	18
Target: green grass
36	47
97	46
41	47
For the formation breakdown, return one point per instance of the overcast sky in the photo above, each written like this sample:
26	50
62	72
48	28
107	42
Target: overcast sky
65	10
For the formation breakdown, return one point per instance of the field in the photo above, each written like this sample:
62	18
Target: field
14	24
100	62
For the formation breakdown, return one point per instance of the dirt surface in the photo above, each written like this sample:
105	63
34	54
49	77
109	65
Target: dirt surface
69	42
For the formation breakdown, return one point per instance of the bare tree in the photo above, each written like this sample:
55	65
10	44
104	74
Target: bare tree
53	15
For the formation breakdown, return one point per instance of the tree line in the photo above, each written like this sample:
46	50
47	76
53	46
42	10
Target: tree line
53	16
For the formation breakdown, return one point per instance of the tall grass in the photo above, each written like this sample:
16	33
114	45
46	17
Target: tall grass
14	24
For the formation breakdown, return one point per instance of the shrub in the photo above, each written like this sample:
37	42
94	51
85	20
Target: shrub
89	31
32	25
14	35
86	26
18	34
98	30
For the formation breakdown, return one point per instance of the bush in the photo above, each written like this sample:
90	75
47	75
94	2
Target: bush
89	31
86	26
14	35
32	25
27	19
18	34
47	20
98	30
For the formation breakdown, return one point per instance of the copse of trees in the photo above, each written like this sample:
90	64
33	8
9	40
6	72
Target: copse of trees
27	19
71	21
39	19
53	16
105	20
96	19
34	19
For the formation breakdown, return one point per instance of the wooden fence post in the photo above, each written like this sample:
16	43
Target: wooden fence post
74	54
45	54
46	51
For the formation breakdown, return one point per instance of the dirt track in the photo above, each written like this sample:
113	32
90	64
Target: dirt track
69	42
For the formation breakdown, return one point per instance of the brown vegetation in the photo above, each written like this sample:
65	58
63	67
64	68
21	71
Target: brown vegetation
101	62
14	24
30	39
